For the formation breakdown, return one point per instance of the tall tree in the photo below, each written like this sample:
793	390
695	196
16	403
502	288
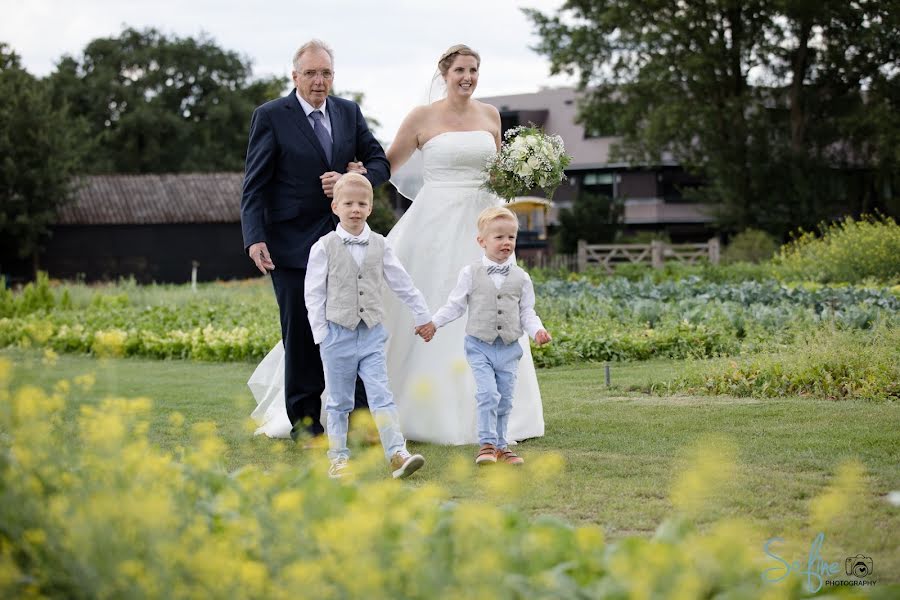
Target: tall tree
593	218
41	147
772	101
157	103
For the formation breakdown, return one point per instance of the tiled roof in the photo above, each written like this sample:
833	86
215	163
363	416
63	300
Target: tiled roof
149	199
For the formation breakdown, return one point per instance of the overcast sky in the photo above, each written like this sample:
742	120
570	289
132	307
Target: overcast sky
387	50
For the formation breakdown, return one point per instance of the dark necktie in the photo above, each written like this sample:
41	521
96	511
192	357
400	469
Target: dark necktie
504	270
355	242
322	133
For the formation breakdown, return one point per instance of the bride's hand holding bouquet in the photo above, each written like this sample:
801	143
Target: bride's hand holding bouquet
528	159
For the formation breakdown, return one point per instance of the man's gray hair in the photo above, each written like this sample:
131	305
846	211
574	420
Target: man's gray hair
312	45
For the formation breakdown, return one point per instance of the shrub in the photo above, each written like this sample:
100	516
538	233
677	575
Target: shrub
850	251
93	510
750	246
828	363
592	218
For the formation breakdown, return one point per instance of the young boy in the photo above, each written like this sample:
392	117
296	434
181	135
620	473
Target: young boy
343	290
500	299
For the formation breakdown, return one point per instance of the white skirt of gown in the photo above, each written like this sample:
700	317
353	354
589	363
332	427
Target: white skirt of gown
433	387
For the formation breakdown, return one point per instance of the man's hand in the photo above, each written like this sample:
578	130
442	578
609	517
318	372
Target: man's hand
328	180
426	331
542	337
259	254
357	167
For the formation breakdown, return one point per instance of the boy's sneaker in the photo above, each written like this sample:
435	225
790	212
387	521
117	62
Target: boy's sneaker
339	467
505	455
404	464
487	455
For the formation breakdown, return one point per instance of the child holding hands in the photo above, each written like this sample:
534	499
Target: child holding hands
345	274
499	296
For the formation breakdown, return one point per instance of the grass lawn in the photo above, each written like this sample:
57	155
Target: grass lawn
623	451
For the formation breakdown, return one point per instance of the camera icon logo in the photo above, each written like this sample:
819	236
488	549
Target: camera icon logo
859	566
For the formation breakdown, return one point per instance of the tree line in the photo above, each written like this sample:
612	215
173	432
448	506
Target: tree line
789	110
138	102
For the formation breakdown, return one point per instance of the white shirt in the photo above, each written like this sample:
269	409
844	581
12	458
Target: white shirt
309	108
458	301
395	276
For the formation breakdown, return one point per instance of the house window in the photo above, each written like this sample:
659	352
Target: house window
598	183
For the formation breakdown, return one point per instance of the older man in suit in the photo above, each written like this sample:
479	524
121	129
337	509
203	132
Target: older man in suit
299	146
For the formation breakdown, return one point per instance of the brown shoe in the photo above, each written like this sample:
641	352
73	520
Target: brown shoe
404	464
505	455
487	455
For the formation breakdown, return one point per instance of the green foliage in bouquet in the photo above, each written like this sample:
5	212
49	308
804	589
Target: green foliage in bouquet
528	159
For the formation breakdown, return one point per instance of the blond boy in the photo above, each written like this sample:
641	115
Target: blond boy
345	275
499	297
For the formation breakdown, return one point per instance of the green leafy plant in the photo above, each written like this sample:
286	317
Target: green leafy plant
92	509
849	251
750	245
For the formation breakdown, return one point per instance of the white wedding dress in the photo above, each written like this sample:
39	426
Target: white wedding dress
432	385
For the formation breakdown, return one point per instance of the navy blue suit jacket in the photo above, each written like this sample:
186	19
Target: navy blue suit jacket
282	202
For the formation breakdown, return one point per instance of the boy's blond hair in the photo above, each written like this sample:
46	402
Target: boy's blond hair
495	212
352	180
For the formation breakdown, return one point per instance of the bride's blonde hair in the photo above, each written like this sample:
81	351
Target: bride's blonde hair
450	55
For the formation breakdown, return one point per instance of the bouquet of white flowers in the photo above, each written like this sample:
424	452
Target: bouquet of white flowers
528	158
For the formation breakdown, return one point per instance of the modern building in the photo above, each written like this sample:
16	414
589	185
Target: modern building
652	195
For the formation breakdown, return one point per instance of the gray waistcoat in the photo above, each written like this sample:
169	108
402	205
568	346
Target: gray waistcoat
354	292
495	312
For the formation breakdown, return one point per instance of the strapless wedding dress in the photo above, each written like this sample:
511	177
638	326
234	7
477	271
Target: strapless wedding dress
432	385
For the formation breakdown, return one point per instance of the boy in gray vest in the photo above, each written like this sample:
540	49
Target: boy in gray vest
500	300
343	289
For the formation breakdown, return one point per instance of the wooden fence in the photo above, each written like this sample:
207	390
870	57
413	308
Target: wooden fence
568	262
608	256
656	253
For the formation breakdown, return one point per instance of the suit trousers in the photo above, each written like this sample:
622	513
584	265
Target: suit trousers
304	378
350	354
494	367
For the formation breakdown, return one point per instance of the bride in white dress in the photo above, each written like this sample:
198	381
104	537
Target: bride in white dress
433	387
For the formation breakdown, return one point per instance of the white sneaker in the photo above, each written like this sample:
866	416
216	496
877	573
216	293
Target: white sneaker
340	466
404	464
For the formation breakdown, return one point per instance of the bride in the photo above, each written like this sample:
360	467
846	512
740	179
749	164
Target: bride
432	385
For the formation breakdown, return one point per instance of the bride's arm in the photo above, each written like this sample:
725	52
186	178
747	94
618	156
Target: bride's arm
497	130
407	139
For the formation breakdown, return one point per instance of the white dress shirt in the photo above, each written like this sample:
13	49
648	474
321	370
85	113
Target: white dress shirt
309	108
458	301
395	276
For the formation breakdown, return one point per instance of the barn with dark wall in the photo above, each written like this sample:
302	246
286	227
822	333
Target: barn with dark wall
150	227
